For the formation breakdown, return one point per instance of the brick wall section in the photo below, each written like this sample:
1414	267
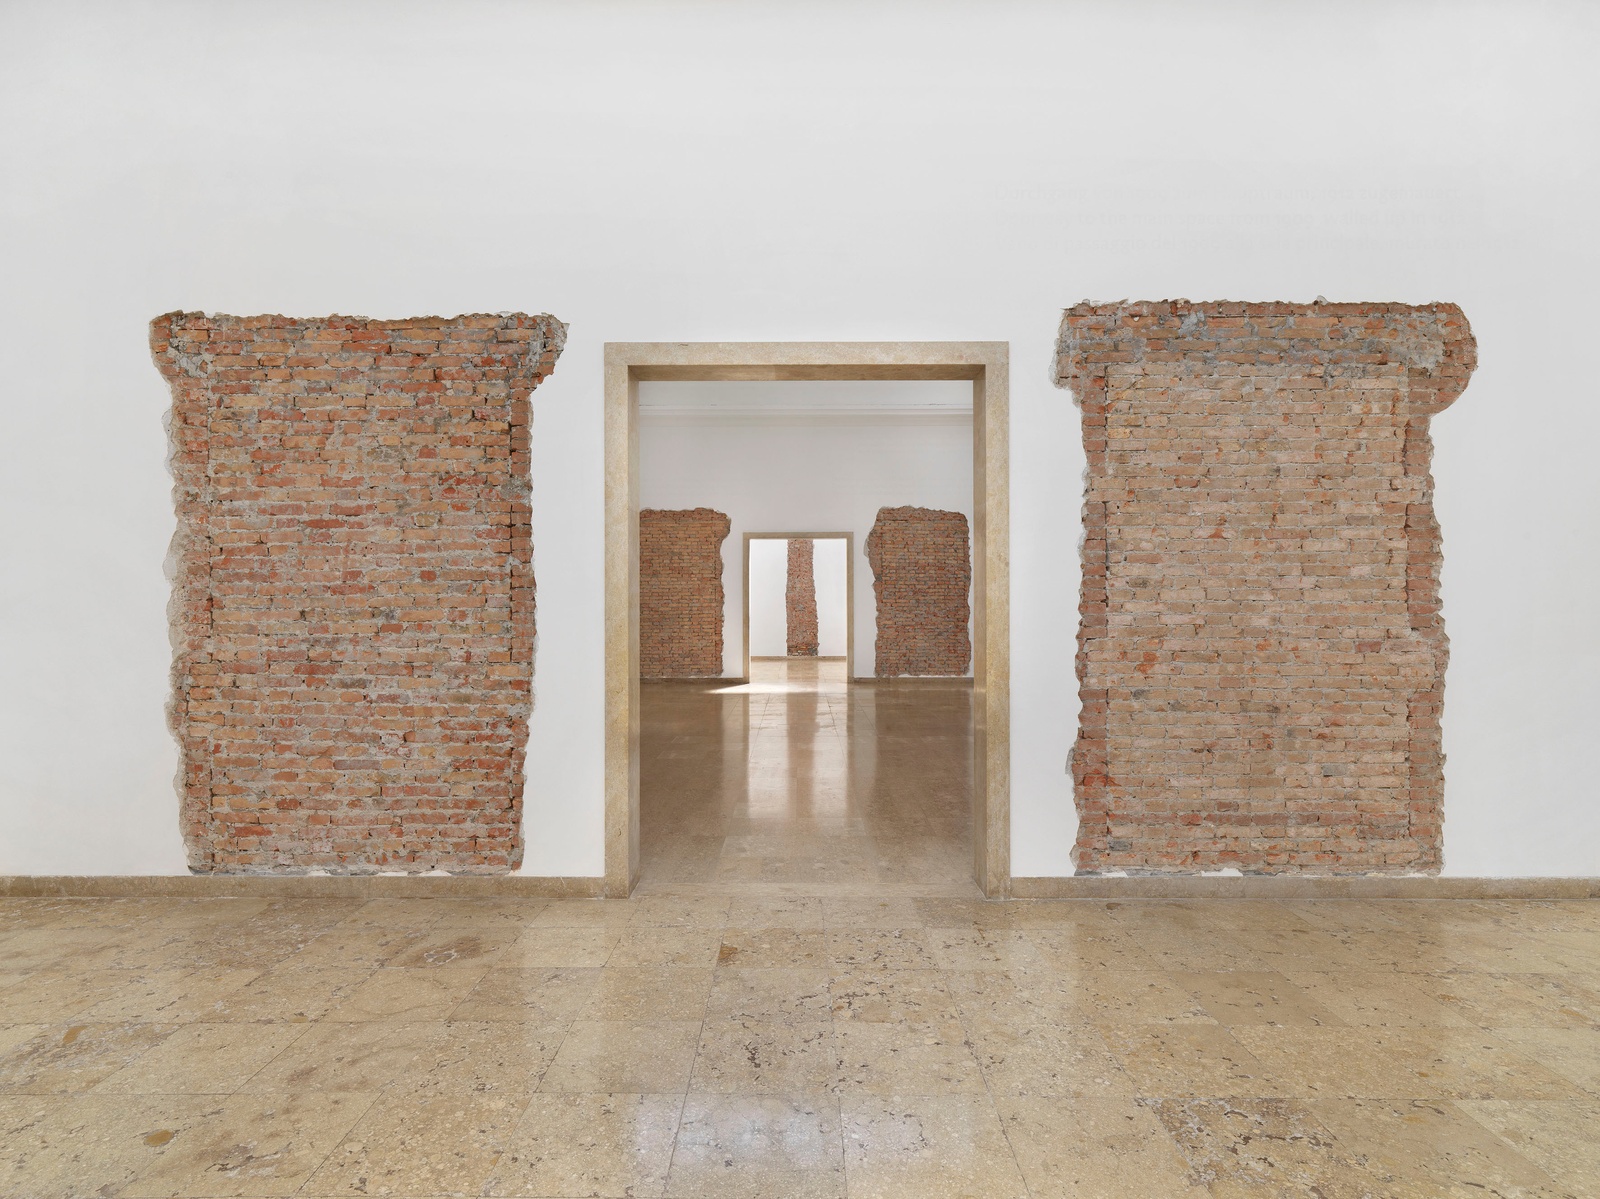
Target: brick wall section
921	561
353	605
1261	655
680	592
800	599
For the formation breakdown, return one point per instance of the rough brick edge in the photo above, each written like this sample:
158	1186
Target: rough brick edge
1440	355
883	659
721	524
187	564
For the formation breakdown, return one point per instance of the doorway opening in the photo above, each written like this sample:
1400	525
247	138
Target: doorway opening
779	568
914	757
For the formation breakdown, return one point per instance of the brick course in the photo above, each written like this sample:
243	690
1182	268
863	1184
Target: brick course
921	561
1260	654
680	592
800	599
353	602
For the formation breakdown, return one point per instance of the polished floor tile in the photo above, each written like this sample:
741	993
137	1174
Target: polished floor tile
1262	1149
756	1146
202	1059
906	1147
741	1055
640	1056
480	1058
805	997
1558	1137
422	1143
536	994
1089	1148
354	1056
1433	1148
69	1146
250	1145
589	1144
67	1059
1190	1061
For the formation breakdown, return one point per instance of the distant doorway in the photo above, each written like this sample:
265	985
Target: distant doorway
766	607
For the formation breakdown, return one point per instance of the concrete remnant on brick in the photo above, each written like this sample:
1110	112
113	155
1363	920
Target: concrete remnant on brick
680	592
353	597
1260	653
921	561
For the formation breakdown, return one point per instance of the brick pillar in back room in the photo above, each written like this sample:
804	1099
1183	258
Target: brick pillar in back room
921	561
1260	652
680	592
353	607
800	599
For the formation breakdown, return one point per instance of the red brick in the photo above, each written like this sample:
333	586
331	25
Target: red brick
353	613
921	561
680	592
1260	651
800	599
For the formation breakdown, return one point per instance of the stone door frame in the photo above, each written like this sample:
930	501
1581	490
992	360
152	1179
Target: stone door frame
987	365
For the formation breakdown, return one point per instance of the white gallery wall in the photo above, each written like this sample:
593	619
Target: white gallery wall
676	171
768	596
830	569
792	457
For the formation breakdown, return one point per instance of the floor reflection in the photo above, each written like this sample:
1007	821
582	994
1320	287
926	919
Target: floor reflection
801	782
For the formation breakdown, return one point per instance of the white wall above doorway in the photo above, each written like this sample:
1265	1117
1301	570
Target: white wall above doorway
813	454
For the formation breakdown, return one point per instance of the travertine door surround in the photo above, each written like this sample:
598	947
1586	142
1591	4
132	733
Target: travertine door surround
1261	654
987	365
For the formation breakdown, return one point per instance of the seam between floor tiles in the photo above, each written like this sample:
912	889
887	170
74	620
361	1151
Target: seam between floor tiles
683	1093
988	1088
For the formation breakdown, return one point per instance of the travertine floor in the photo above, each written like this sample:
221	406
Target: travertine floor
797	784
758	1023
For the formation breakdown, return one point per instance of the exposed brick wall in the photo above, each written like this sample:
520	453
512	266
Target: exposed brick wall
800	599
353	607
680	592
1260	654
921	561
